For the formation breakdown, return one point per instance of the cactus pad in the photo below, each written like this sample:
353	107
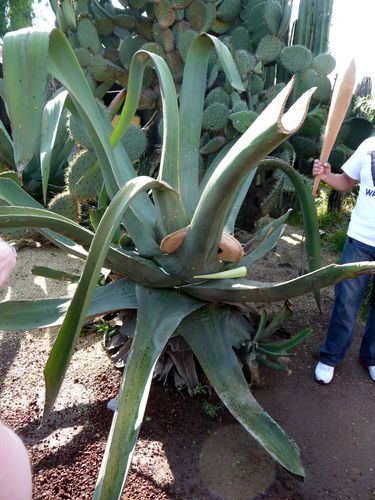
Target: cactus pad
323	91
102	69
256	84
213	145
135	142
164	37
253	15
305	147
241	39
129	47
215	117
69	14
88	36
201	15
185	39
83	56
311	127
269	48
273	15
242	120
125	21
88	188
104	26
77	132
219	26
164	14
324	64
245	62
65	204
296	58
229	9
216	95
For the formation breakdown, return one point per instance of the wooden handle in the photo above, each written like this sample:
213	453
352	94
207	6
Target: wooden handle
341	97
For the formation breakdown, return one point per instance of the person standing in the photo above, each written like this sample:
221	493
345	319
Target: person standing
359	246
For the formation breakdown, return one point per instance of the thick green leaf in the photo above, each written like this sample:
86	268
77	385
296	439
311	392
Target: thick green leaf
25	77
13	194
229	225
66	341
276	348
54	274
6	146
308	208
58	57
206	332
269	130
191	110
243	290
50	123
159	314
264	240
130	264
310	216
283	315
42	313
169	166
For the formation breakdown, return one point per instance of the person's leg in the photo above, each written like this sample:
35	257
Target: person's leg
348	296
367	351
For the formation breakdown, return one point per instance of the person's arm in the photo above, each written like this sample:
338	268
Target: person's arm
339	182
8	260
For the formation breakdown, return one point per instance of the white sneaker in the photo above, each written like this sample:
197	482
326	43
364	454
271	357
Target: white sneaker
324	373
371	370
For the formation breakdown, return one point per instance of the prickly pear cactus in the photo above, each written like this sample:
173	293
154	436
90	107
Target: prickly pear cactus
105	37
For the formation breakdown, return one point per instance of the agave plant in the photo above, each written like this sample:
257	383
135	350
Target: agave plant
185	273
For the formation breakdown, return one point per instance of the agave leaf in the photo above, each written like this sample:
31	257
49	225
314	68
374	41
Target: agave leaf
50	122
54	274
2	89
52	47
191	110
159	314
264	240
284	314
42	218
214	164
206	332
43	313
308	207
67	338
13	194
269	130
310	217
169	166
128	263
276	348
25	78
229	225
6	146
243	290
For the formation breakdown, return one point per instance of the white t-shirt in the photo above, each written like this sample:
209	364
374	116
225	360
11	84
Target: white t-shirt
361	167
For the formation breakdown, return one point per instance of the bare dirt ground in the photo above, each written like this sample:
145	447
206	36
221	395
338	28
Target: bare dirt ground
182	453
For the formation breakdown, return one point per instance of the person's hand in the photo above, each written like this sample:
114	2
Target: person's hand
7	261
323	169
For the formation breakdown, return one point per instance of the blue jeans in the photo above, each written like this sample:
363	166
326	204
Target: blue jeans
348	296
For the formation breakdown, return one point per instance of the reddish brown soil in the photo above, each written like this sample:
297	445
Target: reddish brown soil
175	459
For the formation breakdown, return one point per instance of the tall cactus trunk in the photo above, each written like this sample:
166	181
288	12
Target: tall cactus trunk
313	25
